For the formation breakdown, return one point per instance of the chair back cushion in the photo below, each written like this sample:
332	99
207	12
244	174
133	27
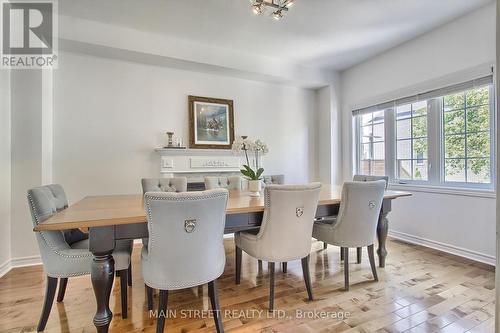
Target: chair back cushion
367	178
359	213
45	201
274	179
185	246
59	260
230	183
173	184
288	219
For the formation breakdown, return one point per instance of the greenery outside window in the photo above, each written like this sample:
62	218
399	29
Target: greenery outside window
467	136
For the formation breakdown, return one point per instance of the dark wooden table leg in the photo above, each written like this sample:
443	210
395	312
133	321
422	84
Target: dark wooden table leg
382	230
102	244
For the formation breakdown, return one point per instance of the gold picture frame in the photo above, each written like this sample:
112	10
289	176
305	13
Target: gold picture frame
211	123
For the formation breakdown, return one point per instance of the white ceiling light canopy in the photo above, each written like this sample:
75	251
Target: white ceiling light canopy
278	8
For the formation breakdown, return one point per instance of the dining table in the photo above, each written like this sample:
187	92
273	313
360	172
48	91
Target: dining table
109	218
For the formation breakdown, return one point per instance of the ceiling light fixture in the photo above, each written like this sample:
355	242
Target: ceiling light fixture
278	7
278	15
257	9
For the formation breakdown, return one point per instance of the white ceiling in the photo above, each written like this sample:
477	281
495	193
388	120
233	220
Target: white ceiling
334	34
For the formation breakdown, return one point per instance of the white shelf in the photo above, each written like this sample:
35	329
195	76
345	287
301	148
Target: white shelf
194	152
202	171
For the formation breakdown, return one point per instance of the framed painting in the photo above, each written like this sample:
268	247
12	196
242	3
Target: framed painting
211	123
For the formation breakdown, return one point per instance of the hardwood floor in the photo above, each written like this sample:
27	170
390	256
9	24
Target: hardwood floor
420	290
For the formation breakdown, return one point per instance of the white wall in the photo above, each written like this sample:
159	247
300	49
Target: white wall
5	167
324	103
329	133
466	224
26	113
109	115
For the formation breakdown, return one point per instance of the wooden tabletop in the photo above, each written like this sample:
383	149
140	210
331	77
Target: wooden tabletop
98	211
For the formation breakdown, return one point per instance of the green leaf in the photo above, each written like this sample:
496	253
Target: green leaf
249	173
259	173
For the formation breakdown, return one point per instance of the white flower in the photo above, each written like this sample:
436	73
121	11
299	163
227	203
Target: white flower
259	146
240	144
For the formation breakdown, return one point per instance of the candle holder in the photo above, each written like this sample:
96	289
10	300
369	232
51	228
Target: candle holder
170	142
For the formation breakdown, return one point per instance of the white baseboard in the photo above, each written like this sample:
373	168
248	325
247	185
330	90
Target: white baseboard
5	268
19	262
25	261
458	251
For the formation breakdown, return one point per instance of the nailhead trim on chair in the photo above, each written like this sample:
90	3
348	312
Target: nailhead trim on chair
51	246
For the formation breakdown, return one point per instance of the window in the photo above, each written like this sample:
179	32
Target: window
467	136
443	137
372	144
411	141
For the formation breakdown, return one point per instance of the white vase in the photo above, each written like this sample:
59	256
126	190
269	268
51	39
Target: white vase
254	186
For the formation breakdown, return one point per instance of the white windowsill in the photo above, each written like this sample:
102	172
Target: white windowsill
468	192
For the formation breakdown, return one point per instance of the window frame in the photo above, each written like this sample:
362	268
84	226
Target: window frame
492	135
411	139
435	149
359	142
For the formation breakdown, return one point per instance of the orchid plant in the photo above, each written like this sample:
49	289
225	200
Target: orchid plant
259	148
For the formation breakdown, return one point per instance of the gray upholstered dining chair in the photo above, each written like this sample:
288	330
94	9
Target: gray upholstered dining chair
172	184
356	223
362	178
186	246
230	183
66	254
285	233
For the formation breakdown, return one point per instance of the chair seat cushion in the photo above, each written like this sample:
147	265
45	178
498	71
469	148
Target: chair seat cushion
248	242
65	262
121	254
324	231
